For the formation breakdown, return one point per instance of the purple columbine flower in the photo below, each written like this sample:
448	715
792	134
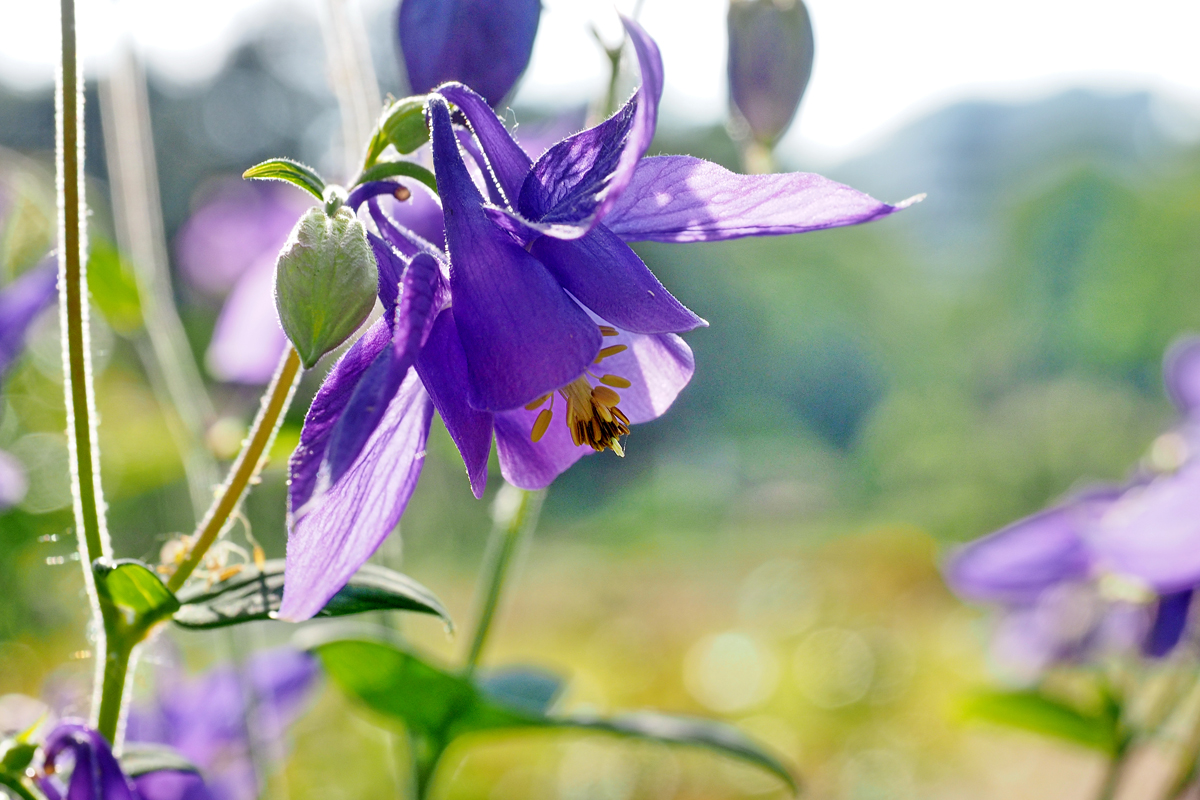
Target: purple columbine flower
96	774
770	62
482	43
211	719
1114	546
537	324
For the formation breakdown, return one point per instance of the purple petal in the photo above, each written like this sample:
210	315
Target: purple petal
282	680
770	62
686	199
339	528
1170	621
579	180
97	775
20	303
404	240
248	340
1018	563
604	274
1153	532
657	367
442	366
171	784
326	410
522	334
482	43
13	483
508	162
382	379
1181	374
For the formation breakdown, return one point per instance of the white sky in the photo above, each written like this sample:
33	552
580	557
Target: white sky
879	63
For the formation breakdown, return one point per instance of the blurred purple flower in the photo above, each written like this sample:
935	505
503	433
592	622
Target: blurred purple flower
229	246
1143	538
544	289
485	44
213	719
770	62
96	775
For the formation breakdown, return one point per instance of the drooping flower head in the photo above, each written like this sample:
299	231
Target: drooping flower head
537	325
770	62
482	43
1118	558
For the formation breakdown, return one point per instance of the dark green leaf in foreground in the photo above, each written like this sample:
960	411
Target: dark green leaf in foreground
293	172
442	706
398	169
16	755
1032	711
252	595
133	586
139	758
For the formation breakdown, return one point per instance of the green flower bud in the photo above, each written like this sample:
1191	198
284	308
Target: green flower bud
325	282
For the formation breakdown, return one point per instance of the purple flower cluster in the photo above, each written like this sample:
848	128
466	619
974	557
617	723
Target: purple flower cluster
96	774
522	315
1109	568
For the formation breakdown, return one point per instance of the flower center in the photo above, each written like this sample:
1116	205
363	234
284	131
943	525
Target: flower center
592	413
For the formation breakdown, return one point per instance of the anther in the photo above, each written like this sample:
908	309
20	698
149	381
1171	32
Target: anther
615	380
605	396
402	193
541	401
609	351
541	424
608	330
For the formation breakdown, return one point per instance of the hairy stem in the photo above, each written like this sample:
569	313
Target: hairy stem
516	515
247	466
116	673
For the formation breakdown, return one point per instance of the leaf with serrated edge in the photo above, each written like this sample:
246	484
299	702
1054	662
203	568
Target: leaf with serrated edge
293	172
251	595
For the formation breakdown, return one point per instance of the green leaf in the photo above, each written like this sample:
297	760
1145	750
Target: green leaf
15	756
716	736
1032	711
442	706
403	124
138	758
398	169
284	169
113	286
133	586
252	595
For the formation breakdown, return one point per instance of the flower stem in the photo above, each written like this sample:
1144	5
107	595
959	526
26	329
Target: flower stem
116	672
247	466
516	514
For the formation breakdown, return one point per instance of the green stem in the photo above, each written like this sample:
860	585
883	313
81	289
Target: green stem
116	672
516	516
247	466
16	787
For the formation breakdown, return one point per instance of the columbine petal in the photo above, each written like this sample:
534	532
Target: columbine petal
327	408
442	367
522	334
248	340
1170	620
686	199
1018	563
483	43
338	529
604	274
171	784
403	239
508	162
378	385
1153	532
1181	375
96	775
657	368
20	303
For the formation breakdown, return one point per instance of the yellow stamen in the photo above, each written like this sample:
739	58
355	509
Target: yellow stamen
260	558
610	351
541	401
615	380
602	395
608	330
604	413
616	448
541	424
402	193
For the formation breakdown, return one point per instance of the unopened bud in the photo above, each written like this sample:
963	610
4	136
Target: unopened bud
325	282
770	62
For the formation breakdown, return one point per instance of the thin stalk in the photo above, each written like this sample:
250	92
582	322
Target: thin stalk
137	209
87	500
116	675
1112	776
247	466
348	55
516	515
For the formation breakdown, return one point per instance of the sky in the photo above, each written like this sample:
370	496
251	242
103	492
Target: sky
879	64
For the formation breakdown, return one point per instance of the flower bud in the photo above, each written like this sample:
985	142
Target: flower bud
770	61
485	44
325	282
